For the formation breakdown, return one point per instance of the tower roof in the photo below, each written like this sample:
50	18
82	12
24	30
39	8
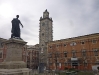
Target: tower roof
45	16
46	11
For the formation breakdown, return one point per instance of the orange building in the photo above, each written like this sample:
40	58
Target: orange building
80	52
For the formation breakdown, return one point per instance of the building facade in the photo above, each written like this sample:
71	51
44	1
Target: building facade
33	56
45	35
80	52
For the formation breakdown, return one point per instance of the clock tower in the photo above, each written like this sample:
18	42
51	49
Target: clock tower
45	35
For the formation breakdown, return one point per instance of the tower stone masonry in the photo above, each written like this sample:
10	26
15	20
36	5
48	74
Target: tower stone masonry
45	35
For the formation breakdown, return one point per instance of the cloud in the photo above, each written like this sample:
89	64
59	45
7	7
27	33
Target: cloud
71	18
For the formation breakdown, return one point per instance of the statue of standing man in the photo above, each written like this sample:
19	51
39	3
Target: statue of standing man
16	27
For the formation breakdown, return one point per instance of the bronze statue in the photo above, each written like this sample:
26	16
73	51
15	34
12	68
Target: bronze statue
16	27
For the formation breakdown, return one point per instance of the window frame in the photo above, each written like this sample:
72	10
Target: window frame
74	55
73	43
82	42
96	52
94	41
84	52
65	54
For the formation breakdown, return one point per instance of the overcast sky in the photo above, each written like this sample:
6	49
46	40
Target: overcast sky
71	18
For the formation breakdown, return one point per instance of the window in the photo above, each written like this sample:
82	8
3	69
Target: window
1	54
57	55
94	41
57	45
65	54
74	63
73	53
82	42
83	52
97	63
85	62
65	45
95	52
73	43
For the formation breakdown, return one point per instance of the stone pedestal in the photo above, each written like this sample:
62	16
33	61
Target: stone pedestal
13	64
